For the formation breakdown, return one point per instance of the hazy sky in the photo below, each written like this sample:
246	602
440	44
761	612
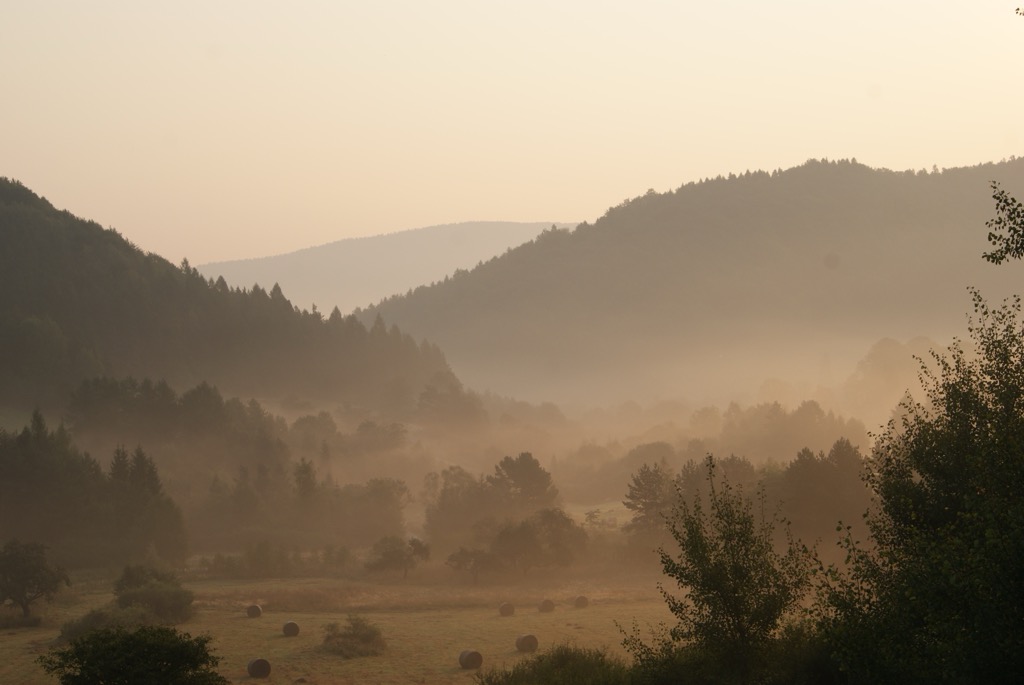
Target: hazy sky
218	130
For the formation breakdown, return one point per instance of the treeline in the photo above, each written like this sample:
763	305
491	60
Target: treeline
815	492
52	493
242	474
79	301
762	434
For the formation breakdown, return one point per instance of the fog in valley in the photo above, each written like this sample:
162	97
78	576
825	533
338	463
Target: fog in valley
181	424
308	378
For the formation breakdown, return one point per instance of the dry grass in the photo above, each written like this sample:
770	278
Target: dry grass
426	624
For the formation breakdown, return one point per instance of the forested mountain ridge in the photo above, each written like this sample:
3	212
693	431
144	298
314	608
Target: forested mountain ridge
720	284
357	272
79	301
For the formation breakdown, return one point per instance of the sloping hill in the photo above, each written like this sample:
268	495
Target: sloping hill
714	287
357	272
78	301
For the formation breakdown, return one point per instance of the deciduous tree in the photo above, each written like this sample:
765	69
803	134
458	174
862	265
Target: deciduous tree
26	575
940	598
394	554
737	589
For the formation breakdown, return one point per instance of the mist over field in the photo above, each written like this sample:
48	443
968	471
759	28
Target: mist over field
305	377
232	436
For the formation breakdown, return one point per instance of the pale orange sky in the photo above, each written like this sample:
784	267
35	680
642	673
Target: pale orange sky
220	130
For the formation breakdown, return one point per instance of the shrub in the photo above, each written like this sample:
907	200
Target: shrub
168	603
158	592
562	665
105	618
140	575
359	638
148	654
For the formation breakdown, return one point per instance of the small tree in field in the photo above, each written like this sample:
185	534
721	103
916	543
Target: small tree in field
737	589
394	554
26	576
149	654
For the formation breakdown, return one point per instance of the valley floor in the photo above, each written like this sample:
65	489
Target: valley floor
426	623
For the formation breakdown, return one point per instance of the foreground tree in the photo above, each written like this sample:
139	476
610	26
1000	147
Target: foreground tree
737	589
149	654
26	575
1006	231
941	597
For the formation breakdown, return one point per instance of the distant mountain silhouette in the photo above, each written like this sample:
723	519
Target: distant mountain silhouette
358	272
78	301
721	285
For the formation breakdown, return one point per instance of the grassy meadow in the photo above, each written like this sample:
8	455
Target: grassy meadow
427	620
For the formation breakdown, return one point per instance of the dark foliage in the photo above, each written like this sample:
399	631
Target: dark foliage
158	592
27	576
1006	231
79	301
563	665
939	596
105	617
148	654
51	492
738	592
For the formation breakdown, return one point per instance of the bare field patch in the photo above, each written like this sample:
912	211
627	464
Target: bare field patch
425	624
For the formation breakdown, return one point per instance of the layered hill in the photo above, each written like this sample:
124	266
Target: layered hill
79	301
356	272
713	288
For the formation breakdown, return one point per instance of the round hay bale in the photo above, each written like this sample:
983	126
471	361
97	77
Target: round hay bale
259	668
470	659
506	609
546	606
254	611
581	602
527	643
291	629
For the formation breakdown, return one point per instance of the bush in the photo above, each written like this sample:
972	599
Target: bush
105	618
359	638
562	665
168	603
149	654
802	656
141	575
158	592
799	655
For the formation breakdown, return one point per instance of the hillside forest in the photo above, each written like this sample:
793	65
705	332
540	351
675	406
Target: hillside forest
164	427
